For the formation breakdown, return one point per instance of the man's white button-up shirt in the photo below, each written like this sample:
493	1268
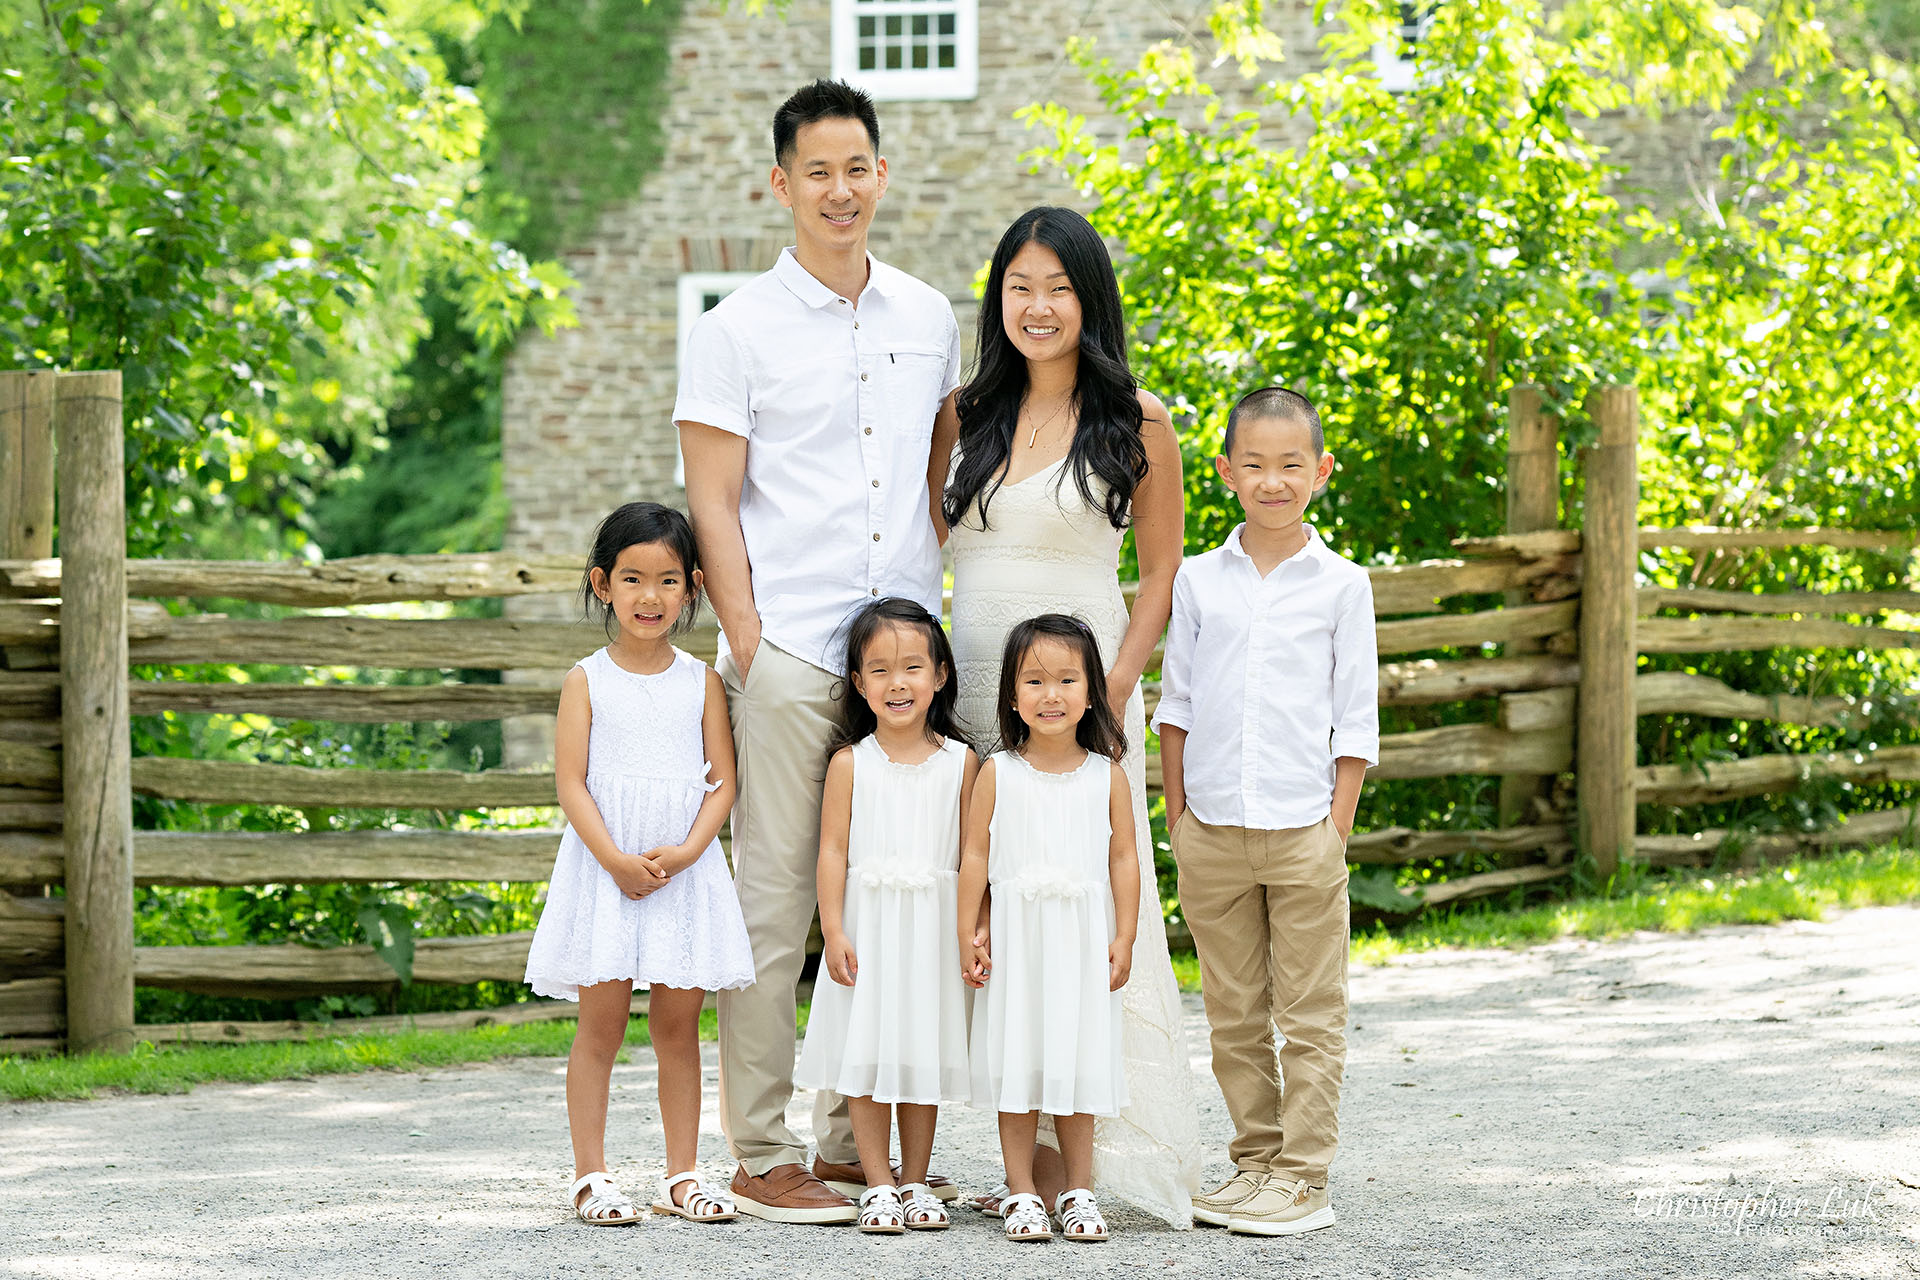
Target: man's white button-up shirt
837	402
1272	678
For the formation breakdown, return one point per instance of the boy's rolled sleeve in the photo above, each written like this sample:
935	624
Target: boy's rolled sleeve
715	381
1176	662
1356	677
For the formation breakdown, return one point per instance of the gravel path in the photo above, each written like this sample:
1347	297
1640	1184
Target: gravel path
1744	1102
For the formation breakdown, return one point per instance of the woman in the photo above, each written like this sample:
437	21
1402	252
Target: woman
1059	454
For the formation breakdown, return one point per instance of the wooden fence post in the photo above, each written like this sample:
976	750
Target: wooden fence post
1610	553
93	700
1533	503
26	465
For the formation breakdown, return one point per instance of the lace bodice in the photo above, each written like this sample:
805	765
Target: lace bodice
645	726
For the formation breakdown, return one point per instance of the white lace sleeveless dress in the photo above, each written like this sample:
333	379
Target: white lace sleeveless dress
899	1033
647	774
1047	551
1046	1029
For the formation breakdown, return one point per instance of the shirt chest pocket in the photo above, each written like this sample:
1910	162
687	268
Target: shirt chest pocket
912	377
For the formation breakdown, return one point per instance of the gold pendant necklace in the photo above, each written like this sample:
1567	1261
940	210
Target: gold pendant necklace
1035	433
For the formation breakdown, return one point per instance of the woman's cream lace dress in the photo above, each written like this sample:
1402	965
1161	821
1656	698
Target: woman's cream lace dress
1048	552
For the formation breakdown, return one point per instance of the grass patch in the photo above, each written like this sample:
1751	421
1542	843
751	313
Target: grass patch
1667	903
177	1068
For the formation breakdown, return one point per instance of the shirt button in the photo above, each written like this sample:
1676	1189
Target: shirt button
876	484
863	377
876	591
876	537
869	430
856	324
841	301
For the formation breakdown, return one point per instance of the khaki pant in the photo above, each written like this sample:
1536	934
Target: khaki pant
1268	911
783	716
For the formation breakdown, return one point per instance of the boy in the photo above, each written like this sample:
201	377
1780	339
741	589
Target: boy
1267	724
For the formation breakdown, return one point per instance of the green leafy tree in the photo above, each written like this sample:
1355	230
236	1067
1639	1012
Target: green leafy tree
237	204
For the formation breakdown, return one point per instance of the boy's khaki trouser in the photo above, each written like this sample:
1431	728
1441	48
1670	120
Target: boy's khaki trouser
1268	911
783	716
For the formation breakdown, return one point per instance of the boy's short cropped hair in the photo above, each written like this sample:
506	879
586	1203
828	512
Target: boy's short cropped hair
821	100
1275	402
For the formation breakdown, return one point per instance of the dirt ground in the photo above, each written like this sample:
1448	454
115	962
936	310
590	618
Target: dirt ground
1742	1102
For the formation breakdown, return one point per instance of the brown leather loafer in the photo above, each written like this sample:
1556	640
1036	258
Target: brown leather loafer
788	1193
848	1179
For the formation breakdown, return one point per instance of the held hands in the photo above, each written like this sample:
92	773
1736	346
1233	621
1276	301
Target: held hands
837	954
1119	962
976	964
637	874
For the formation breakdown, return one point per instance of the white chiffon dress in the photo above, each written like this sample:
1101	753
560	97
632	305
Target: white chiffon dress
1047	551
899	1033
1046	1029
647	774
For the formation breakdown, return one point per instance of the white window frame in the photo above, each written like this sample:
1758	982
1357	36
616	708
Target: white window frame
1396	72
691	288
957	83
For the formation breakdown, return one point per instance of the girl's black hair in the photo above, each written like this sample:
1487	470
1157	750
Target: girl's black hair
1099	729
635	523
857	720
1107	443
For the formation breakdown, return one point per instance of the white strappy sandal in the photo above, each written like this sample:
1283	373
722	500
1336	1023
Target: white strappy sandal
924	1212
605	1205
881	1213
1079	1216
702	1205
1026	1218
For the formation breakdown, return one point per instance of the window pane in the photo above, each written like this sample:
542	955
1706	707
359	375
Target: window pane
947	56
867	28
919	57
947	24
893	57
921	24
896	25
869	60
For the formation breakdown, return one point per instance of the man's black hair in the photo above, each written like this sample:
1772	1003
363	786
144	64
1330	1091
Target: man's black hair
1275	402
821	100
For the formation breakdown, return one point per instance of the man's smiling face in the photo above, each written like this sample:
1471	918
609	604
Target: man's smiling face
833	182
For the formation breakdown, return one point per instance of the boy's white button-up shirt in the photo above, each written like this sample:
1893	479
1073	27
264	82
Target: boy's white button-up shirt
1272	678
837	403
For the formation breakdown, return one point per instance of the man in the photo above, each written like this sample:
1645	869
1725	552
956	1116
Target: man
812	403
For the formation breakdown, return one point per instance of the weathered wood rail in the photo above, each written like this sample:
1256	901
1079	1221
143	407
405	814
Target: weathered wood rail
1553	670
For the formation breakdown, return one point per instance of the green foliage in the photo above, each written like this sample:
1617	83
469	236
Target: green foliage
235	205
1405	259
573	95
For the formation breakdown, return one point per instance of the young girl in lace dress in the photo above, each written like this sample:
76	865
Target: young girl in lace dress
890	1030
1050	830
643	759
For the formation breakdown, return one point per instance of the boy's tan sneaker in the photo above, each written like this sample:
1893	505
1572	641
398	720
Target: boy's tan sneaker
1215	1207
1282	1207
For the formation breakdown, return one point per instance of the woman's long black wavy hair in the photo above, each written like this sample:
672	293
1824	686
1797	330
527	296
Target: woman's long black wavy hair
857	720
1099	729
1107	443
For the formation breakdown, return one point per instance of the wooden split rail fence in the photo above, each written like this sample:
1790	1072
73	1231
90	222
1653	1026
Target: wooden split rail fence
1557	664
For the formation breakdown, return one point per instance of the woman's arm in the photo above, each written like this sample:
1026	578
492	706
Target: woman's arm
975	961
1159	537
946	433
1123	874
716	737
637	876
836	819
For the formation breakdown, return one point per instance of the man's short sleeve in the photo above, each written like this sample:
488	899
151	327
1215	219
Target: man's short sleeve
715	380
952	379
